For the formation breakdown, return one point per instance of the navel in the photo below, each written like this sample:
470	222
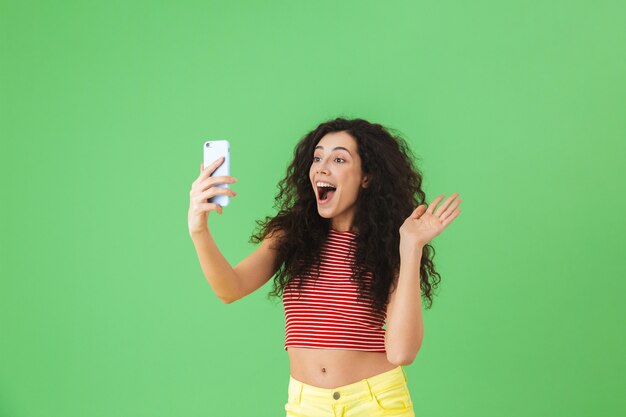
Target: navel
324	370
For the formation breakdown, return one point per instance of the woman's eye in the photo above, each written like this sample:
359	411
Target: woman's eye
316	158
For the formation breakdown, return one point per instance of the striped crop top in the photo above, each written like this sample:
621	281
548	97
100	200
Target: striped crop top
328	315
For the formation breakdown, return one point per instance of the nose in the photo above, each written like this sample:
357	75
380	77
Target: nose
322	168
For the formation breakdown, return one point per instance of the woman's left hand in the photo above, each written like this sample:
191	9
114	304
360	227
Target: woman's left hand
426	223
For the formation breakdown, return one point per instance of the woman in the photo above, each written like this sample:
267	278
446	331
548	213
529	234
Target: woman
349	251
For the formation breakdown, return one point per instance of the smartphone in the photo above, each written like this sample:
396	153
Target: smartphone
213	150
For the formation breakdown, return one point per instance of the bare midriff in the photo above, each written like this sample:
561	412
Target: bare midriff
332	368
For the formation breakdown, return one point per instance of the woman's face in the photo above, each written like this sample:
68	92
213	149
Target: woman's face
336	161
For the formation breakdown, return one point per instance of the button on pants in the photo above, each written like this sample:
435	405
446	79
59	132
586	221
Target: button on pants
384	395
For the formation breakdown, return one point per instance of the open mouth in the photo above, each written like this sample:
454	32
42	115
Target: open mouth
325	193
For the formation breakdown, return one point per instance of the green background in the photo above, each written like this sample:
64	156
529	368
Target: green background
517	105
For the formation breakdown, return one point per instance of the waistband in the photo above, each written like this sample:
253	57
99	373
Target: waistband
362	389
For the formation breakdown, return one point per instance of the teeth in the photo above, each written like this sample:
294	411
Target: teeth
325	184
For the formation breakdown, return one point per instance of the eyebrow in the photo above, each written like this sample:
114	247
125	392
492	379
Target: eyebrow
334	149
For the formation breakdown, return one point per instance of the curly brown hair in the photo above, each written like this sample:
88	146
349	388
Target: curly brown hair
395	190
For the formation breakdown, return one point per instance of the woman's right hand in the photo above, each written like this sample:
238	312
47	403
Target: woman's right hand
202	189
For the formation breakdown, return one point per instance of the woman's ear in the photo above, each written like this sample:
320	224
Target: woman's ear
366	181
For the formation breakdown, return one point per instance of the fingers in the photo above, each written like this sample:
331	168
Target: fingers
206	172
216	207
208	190
418	211
206	186
210	206
433	205
203	189
215	182
450	210
213	191
449	219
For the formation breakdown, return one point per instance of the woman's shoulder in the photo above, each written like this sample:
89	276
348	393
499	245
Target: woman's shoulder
275	237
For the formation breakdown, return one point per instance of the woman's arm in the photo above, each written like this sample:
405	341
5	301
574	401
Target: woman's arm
405	327
218	272
222	278
232	284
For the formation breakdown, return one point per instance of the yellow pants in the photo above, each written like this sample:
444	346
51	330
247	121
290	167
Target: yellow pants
385	394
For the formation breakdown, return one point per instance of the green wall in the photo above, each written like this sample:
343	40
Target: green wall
517	105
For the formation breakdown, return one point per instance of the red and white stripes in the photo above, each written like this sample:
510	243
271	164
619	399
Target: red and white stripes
327	315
